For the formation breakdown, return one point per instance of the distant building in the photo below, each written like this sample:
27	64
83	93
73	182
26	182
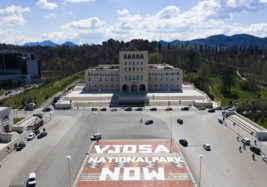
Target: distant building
18	66
133	74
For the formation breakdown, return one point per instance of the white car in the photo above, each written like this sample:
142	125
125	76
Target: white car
206	147
31	179
31	136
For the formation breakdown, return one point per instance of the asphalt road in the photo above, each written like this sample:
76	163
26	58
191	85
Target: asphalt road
69	133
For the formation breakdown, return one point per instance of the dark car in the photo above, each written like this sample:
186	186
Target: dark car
47	109
139	109
43	134
128	109
96	136
211	110
180	121
21	146
148	122
153	109
183	142
255	150
94	109
185	108
218	108
56	99
226	108
103	109
36	131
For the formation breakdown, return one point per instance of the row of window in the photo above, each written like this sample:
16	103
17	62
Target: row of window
160	85
102	74
137	69
156	78
100	79
133	63
164	73
133	56
133	77
100	86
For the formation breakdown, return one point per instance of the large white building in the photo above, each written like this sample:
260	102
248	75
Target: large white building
133	74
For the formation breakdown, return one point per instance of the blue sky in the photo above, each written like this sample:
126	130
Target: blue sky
93	21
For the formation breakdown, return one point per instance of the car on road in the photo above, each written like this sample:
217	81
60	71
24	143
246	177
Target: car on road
226	108
32	179
255	150
153	109
128	109
149	122
31	136
94	109
183	142
42	134
21	146
218	108
264	158
206	147
201	108
103	109
185	108
96	136
211	110
47	109
139	109
113	109
180	121
246	141
36	131
168	109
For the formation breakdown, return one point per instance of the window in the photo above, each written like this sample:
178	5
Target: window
130	77
177	78
89	79
129	56
160	85
137	63
125	77
141	77
125	69
133	77
125	56
141	69
166	73
137	77
137	69
172	78
129	69
125	63
133	63
133	68
88	74
141	56
160	78
100	80
137	56
149	73
111	79
155	85
133	56
129	63
141	63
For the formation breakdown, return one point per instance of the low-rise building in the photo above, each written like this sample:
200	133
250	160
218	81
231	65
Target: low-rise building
133	74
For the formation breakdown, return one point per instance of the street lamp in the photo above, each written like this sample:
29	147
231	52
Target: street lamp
68	158
171	133
200	156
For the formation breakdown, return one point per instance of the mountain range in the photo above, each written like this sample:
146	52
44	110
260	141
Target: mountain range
48	43
238	40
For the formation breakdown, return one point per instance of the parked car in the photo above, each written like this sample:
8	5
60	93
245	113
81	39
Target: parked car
264	158
168	109
211	110
149	122
139	109
206	147
226	108
31	136
21	146
201	108
36	131
218	108
42	134
153	109
47	109
103	109
183	142
96	136
128	109
113	109
255	150
32	179
185	108
180	121
246	141
94	109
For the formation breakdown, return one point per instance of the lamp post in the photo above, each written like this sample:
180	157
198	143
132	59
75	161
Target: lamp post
199	180
68	158
171	133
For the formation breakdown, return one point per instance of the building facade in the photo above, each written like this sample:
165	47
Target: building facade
6	120
133	74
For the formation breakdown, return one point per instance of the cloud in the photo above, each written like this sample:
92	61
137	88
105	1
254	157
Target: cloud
51	15
89	24
78	1
246	5
13	15
46	5
122	12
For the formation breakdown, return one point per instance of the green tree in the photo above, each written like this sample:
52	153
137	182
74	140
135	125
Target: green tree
227	78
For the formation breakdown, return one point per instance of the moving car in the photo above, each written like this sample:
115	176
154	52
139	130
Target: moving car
168	109
43	134
211	110
32	179
183	142
128	109
153	109
21	146
148	122
255	150
96	136
113	109
47	109
31	136
201	108
226	108
206	147
185	108
264	158
103	109
218	108
94	109
139	109
180	121
246	141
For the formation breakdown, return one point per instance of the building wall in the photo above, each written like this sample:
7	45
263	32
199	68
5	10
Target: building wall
6	119
133	71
